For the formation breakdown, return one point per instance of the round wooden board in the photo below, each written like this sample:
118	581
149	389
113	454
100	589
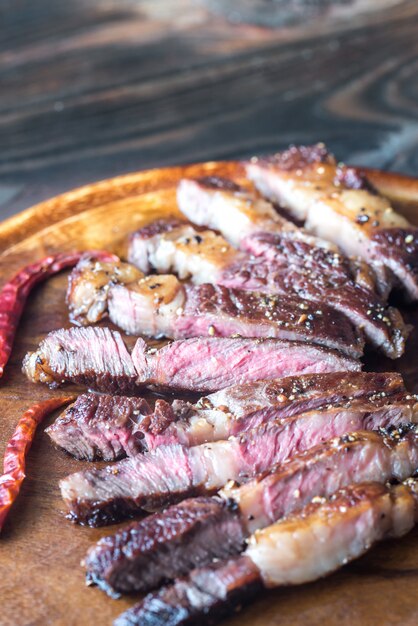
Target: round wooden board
41	579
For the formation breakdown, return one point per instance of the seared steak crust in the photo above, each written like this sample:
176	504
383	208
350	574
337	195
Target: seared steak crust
338	204
171	473
109	427
162	306
116	563
317	274
100	427
229	311
206	596
139	558
296	157
298	394
398	247
313	542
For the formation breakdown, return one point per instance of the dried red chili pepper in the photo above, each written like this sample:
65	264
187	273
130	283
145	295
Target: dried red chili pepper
14	294
17	448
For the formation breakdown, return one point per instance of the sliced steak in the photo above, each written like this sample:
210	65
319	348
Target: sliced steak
239	214
297	262
296	270
101	427
236	212
89	284
220	415
105	426
172	473
166	247
163	545
212	363
191	534
208	595
297	394
97	357
311	543
162	306
390	455
338	203
240	408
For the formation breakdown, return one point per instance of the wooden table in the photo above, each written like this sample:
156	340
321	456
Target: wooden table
94	88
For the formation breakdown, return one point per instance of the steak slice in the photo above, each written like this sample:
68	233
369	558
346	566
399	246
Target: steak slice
339	204
200	257
239	214
97	357
162	306
236	212
146	553
101	427
163	545
212	363
206	596
89	284
91	356
168	246
308	544
172	473
306	266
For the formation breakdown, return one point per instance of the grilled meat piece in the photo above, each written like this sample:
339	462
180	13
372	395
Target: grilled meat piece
97	357
306	266
87	430
239	214
162	306
101	427
89	284
216	527
206	596
338	203
222	205
165	545
209	364
206	257
165	245
174	472
311	543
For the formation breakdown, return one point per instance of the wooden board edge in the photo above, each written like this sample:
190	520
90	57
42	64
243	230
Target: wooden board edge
399	188
30	221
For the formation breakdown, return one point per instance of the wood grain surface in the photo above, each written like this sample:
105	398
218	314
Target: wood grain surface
41	580
90	89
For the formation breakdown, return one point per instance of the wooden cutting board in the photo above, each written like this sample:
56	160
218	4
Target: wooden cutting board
41	580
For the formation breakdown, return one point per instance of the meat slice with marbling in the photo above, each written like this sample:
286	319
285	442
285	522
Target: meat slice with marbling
192	533
100	426
161	306
304	265
98	357
206	257
171	473
338	203
311	543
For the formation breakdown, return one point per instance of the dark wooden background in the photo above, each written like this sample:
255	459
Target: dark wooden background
93	88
